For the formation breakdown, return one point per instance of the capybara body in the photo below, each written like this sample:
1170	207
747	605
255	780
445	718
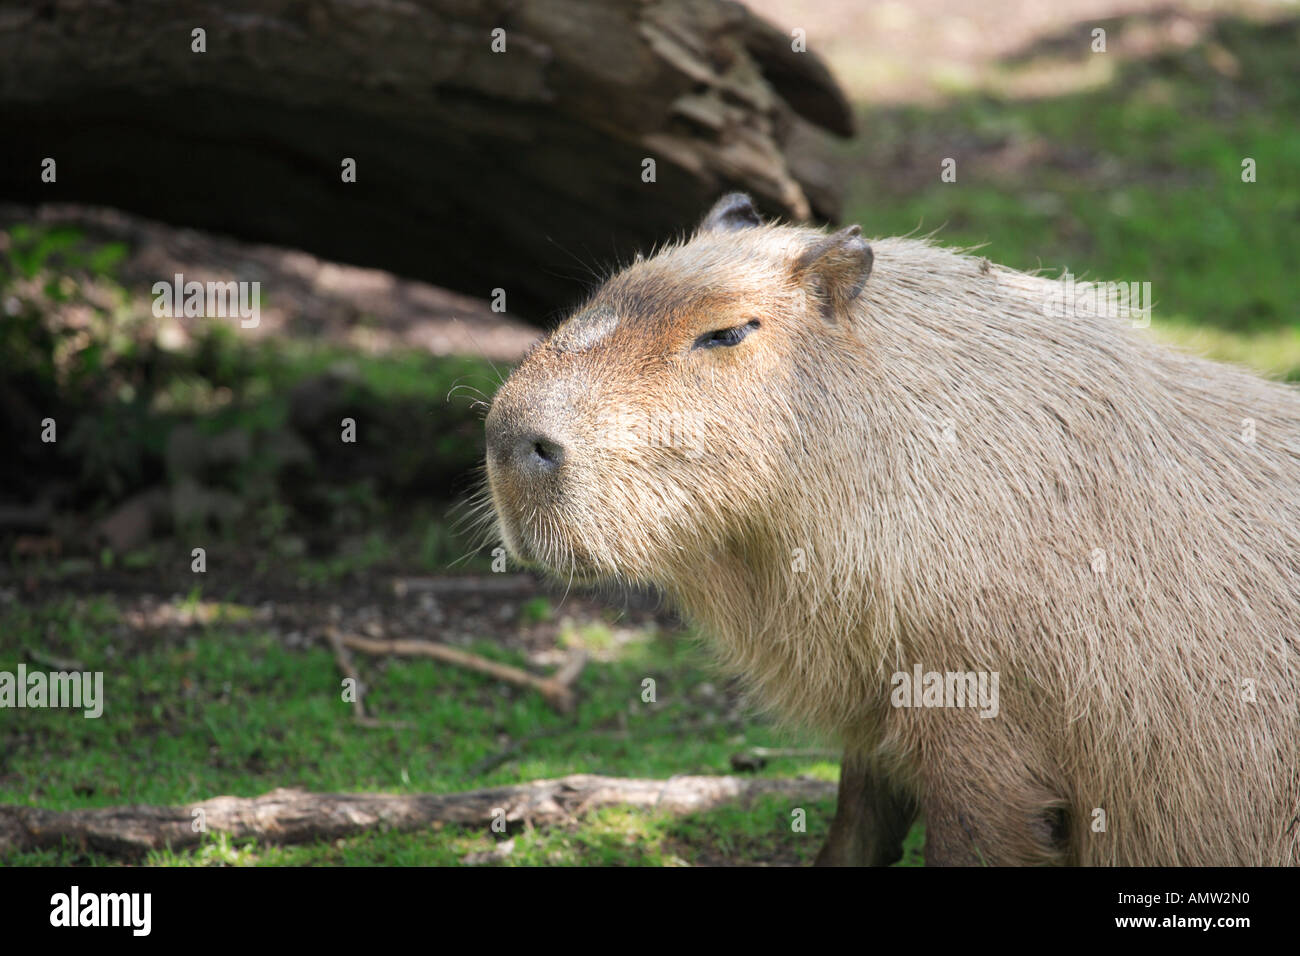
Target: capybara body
847	462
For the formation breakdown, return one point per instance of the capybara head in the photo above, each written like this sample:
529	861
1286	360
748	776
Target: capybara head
657	426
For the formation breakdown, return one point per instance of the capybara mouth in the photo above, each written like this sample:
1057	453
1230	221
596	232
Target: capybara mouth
512	536
566	566
545	548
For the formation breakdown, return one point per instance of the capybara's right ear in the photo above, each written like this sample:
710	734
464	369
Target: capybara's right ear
733	211
836	268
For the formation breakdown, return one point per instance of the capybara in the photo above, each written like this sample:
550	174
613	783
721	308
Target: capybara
1039	573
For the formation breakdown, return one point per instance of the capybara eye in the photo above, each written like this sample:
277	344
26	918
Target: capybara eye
725	336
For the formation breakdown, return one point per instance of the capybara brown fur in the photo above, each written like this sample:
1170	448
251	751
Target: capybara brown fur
860	465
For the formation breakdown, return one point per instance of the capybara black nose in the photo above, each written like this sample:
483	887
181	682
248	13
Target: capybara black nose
536	454
527	451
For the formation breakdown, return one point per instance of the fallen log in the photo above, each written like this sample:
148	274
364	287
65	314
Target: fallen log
287	816
495	142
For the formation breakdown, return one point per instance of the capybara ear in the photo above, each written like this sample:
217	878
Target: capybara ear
733	211
836	267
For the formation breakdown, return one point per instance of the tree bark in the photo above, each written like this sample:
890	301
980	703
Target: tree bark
476	170
296	816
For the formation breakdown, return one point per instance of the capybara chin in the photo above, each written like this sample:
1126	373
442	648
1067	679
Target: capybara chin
857	466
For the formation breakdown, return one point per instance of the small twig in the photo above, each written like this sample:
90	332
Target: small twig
344	661
756	758
53	661
556	690
569	673
495	584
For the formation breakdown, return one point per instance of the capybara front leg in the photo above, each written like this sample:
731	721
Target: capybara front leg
871	819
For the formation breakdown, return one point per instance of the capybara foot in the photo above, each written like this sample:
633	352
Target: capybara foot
871	819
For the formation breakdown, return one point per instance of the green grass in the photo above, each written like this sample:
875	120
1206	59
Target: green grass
537	610
227	708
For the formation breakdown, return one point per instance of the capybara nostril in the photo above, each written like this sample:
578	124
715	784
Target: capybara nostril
526	451
537	453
